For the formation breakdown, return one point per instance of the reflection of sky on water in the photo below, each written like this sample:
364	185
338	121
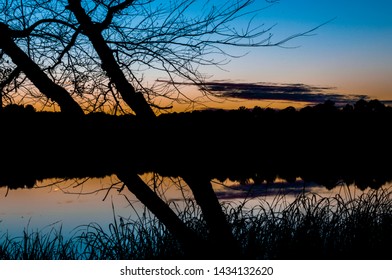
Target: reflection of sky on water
67	204
71	203
279	194
233	190
229	190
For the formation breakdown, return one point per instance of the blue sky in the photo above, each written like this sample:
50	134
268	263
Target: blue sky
352	54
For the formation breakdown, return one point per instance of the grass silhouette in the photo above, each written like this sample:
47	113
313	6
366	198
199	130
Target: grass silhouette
310	227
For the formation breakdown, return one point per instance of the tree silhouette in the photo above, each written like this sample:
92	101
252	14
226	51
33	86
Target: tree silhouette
101	51
88	56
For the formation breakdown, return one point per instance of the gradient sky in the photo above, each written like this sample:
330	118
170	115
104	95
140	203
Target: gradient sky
351	54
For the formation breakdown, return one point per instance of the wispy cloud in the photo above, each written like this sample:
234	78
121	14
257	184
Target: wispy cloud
281	92
278	92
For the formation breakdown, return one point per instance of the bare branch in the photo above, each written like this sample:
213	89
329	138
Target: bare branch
27	32
110	53
13	75
112	11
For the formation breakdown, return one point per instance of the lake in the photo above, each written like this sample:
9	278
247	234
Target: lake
63	172
70	203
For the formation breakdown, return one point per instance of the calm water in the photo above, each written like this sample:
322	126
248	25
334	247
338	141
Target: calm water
243	146
71	203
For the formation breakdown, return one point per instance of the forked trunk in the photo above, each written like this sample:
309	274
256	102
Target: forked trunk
135	100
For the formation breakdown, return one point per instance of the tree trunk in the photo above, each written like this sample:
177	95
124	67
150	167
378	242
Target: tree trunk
134	99
192	244
36	75
224	244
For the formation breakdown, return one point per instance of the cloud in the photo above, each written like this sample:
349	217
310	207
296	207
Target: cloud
281	92
278	92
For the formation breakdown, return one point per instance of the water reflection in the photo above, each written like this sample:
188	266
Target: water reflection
73	202
77	196
66	203
291	156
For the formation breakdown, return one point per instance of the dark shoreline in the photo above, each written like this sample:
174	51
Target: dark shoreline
324	144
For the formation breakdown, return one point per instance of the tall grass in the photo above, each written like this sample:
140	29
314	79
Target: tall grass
144	238
37	245
314	227
310	227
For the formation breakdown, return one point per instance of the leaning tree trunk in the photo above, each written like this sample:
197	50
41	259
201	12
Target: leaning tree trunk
192	244
223	243
36	75
220	230
134	99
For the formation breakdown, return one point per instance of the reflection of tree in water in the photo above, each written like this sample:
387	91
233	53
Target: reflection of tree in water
99	71
187	146
240	214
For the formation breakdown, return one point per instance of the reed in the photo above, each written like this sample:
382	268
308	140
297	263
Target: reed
310	227
37	245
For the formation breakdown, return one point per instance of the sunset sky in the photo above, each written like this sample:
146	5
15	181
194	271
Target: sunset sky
350	55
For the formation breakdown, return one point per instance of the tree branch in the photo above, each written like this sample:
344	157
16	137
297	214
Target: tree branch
112	11
26	32
135	100
35	74
14	74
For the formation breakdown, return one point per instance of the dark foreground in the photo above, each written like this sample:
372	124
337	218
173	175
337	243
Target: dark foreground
323	144
309	228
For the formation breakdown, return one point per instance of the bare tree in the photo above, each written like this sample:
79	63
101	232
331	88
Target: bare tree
94	55
35	74
102	52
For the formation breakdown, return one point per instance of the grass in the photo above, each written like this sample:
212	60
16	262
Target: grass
35	245
310	227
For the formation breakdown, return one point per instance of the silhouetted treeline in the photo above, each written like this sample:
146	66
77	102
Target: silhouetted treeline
323	144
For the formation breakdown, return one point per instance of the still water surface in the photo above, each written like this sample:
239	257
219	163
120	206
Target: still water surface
72	203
